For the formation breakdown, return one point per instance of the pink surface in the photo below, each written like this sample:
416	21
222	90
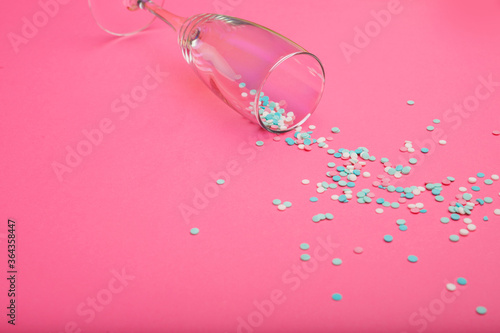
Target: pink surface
118	211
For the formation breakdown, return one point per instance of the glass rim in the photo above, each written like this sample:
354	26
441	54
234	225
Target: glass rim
264	81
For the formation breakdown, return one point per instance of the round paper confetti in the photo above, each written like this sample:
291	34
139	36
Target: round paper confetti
481	310
305	257
451	287
336	297
412	258
194	231
304	246
337	261
220	181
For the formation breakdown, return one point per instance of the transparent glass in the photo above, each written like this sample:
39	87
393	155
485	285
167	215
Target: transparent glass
264	76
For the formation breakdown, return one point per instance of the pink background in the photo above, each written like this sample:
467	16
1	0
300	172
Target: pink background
120	208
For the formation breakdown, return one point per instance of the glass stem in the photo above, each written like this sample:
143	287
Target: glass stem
172	20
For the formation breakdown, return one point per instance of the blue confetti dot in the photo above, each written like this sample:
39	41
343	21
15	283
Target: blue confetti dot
305	257
481	310
412	258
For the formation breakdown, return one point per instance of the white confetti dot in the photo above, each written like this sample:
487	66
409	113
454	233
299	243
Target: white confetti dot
464	232
451	287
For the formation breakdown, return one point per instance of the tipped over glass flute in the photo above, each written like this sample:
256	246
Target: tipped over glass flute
264	76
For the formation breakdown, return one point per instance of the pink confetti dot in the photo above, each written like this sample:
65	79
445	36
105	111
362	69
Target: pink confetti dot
402	200
446	182
415	210
358	250
277	138
403	149
496	132
307	148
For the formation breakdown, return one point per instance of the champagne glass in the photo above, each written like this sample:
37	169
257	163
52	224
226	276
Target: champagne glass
264	76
